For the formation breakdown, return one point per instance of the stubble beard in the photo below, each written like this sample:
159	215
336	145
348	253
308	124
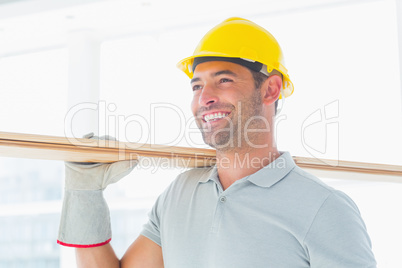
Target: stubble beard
231	136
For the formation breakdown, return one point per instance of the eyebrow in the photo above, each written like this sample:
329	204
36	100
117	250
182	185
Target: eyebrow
196	79
225	72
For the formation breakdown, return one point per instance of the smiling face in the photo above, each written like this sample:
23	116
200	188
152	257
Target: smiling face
225	100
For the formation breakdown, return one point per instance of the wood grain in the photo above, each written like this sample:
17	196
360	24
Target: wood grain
90	150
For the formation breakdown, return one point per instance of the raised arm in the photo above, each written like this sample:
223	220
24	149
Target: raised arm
99	257
143	253
85	217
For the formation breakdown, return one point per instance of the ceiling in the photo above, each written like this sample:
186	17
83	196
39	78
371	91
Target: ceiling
32	25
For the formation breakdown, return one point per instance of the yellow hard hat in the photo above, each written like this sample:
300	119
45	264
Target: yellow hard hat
242	39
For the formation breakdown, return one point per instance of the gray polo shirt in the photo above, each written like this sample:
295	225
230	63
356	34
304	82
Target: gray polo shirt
277	217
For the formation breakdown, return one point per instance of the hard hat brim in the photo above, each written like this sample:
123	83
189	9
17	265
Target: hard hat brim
186	65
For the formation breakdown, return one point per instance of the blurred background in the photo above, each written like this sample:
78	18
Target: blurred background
69	67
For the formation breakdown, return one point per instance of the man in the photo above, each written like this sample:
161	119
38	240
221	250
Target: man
255	208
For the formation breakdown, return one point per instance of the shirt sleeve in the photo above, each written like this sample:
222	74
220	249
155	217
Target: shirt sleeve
338	236
151	229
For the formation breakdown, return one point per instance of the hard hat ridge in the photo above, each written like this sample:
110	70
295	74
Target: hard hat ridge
253	65
240	41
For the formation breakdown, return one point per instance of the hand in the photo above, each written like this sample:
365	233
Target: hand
85	220
96	176
87	176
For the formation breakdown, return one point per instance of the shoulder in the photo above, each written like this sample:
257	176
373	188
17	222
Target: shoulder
317	186
330	205
305	187
291	179
195	173
181	185
320	202
189	179
334	220
298	175
337	231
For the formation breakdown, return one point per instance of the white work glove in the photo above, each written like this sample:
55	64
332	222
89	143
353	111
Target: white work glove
85	218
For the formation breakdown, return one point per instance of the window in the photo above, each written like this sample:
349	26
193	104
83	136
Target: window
33	101
346	105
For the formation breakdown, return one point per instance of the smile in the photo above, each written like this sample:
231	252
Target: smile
214	116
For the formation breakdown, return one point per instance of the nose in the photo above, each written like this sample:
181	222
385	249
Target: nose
208	95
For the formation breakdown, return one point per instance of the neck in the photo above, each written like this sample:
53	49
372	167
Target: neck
239	163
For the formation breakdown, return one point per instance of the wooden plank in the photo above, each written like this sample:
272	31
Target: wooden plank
348	166
91	150
88	150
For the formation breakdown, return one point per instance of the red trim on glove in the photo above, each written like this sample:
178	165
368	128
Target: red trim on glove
83	246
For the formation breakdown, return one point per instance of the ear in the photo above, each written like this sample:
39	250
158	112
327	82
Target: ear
271	89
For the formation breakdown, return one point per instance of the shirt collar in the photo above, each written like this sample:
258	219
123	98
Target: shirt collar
274	172
212	174
265	177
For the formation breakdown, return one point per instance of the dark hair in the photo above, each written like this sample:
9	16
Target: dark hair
253	66
259	79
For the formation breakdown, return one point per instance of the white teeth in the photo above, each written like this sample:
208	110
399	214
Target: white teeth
210	117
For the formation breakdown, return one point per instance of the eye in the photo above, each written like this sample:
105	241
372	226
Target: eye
196	87
225	80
